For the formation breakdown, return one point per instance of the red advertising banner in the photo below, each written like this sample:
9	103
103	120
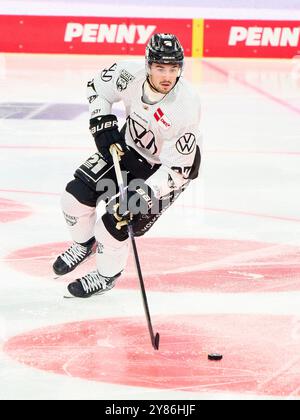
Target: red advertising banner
87	35
251	38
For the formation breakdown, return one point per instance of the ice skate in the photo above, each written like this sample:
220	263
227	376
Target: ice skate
90	284
72	257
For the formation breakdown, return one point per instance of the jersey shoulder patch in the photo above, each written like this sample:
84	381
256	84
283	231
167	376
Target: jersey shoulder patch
127	72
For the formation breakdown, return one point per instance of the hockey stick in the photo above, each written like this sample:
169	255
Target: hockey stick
154	337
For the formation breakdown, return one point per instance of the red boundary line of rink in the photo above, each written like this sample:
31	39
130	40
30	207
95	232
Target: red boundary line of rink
245	213
240	212
30	192
254	152
262	92
48	147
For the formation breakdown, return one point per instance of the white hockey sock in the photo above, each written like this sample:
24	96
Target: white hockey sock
111	254
79	217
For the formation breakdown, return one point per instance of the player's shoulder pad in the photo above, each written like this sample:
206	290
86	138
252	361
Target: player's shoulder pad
189	99
188	91
122	72
132	66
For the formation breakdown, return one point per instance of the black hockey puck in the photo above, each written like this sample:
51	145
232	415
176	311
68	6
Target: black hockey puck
215	356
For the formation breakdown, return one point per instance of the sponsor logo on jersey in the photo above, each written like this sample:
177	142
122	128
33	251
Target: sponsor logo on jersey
91	85
92	98
162	119
91	91
71	220
145	197
139	116
104	33
100	248
186	144
264	36
96	113
107	74
171	182
123	80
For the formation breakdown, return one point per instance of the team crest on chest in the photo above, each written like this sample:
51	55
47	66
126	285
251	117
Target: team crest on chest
162	119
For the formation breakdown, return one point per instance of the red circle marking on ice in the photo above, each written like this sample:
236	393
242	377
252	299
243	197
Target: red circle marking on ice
11	210
118	351
185	264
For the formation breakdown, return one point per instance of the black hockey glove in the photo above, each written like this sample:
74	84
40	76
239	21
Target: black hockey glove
136	202
105	132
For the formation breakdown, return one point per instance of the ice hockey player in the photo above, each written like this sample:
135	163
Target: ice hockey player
159	156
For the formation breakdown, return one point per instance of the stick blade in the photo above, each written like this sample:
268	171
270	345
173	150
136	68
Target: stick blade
156	342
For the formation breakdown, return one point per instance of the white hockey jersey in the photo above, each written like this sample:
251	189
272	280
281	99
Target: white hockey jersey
164	133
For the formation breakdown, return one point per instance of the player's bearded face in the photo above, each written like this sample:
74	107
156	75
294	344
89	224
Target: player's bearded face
163	76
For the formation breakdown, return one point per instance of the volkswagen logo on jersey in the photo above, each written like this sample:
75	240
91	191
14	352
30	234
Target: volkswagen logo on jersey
186	144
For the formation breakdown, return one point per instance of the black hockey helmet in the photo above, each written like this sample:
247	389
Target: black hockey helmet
164	49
